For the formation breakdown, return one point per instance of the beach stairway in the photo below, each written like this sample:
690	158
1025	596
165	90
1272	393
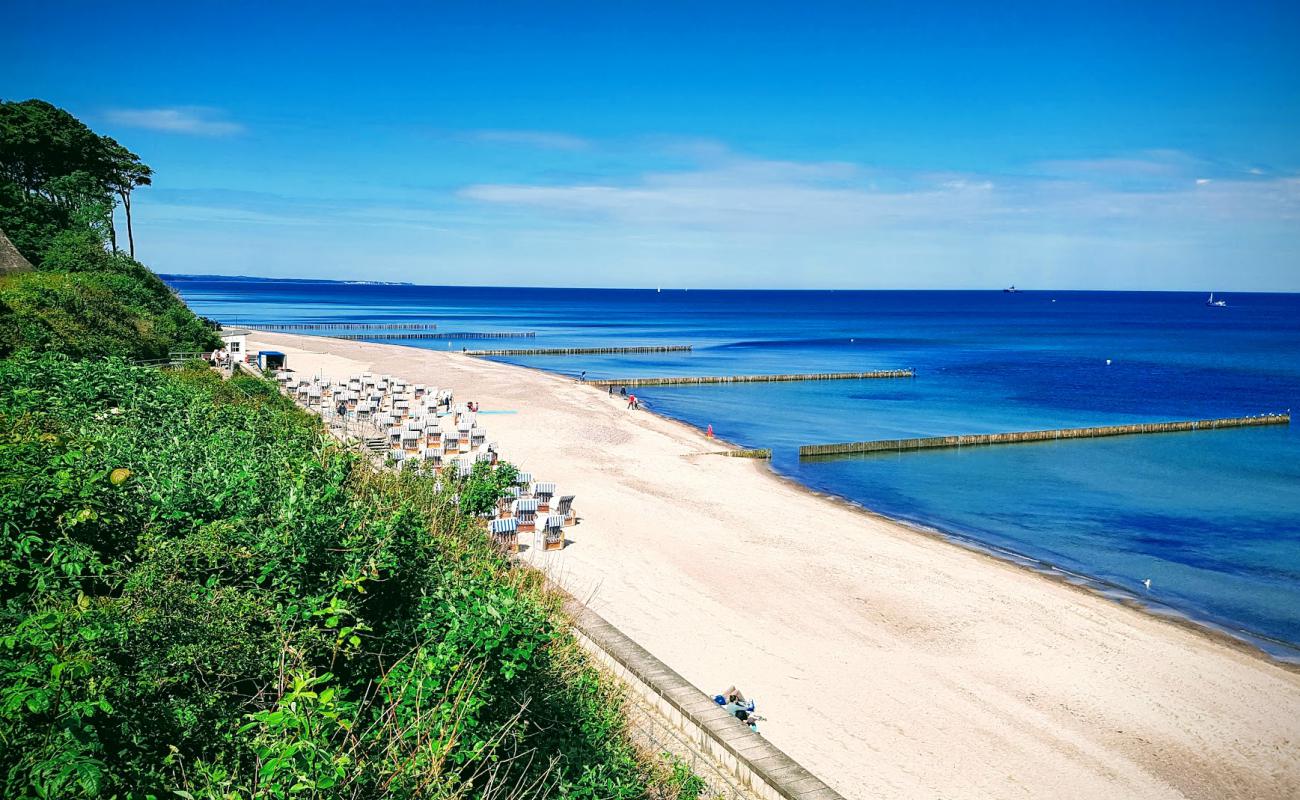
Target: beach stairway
376	444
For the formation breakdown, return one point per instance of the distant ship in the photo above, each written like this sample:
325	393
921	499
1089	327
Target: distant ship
1216	303
1011	289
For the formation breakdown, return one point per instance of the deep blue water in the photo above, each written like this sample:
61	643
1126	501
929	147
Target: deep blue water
1211	518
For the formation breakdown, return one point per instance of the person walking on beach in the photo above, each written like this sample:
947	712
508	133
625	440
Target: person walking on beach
582	378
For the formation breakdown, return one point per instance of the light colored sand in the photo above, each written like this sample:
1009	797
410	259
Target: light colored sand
890	663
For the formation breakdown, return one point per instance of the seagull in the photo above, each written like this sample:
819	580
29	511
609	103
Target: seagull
1147	583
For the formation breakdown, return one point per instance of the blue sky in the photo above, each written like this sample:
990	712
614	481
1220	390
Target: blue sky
801	145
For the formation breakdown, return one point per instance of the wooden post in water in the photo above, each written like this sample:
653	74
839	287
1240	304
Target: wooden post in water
969	440
692	380
579	351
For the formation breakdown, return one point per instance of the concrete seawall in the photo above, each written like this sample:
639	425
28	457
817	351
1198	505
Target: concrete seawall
970	440
817	376
756	763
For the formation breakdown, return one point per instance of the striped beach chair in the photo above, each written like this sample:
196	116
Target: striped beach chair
433	457
505	534
553	532
505	504
565	509
544	492
525	483
433	434
525	511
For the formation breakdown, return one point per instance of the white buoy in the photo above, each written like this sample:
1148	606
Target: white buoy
1108	362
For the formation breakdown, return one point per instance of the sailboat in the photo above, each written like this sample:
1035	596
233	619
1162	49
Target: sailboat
1011	289
1216	303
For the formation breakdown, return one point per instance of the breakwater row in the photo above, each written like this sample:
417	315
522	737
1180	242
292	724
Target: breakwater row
345	326
440	335
760	453
969	440
815	376
581	351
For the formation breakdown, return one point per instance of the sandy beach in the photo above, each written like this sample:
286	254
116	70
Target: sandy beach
889	662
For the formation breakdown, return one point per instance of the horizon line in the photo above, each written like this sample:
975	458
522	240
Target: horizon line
358	282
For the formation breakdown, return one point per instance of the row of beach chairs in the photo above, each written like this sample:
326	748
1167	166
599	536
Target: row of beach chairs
425	429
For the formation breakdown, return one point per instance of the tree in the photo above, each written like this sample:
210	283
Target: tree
127	172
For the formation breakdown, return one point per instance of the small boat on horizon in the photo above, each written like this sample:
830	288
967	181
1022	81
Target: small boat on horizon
1212	303
1011	289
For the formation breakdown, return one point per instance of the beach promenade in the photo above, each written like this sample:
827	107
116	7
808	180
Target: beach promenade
888	662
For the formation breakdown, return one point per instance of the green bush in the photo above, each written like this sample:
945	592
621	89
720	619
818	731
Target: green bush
86	302
201	595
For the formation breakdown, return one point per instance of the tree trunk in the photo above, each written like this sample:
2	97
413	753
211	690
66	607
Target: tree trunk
112	228
130	235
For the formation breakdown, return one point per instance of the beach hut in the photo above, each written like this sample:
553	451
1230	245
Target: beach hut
525	510
553	532
544	492
268	360
505	534
235	342
565	509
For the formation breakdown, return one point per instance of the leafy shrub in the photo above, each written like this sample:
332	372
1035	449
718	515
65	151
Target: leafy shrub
201	594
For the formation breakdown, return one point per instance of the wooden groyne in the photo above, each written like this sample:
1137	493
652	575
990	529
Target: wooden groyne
815	376
760	453
581	351
441	335
925	443
344	326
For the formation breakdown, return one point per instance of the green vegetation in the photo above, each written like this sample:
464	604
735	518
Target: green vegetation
59	185
201	593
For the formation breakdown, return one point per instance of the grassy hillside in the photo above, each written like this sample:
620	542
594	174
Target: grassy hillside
202	593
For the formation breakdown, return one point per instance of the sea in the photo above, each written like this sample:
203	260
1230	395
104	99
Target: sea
1210	518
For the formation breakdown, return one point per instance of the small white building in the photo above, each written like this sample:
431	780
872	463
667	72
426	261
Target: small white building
235	342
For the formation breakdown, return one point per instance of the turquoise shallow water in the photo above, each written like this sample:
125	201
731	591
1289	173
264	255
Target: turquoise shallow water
1211	518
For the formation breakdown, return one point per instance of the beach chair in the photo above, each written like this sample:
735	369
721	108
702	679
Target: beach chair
396	458
395	437
465	436
418	391
525	483
477	436
505	534
505	504
553	532
565	509
433	457
544	492
464	467
433	434
525	511
411	440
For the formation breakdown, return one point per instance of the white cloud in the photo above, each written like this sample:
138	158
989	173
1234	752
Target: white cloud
191	120
778	196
